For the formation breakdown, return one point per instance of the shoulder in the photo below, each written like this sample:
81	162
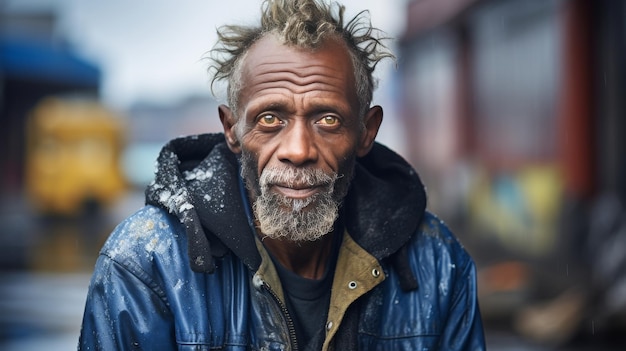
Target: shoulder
148	236
436	247
434	231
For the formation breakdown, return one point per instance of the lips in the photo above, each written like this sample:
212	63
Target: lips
296	192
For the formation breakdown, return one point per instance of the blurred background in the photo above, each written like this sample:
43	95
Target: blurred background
511	110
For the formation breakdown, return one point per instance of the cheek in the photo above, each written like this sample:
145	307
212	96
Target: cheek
258	151
249	172
340	154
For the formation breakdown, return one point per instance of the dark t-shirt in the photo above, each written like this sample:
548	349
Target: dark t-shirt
308	300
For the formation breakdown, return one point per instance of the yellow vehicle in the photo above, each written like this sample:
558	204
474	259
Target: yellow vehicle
73	156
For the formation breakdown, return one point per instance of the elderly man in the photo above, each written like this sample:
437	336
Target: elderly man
294	229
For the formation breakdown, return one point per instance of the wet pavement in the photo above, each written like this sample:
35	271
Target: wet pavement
41	311
45	268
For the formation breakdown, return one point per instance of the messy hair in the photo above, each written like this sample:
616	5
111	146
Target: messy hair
303	24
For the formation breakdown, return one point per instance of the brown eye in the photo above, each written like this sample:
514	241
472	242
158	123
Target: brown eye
329	120
269	120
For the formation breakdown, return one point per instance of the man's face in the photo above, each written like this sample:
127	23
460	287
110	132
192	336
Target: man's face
298	132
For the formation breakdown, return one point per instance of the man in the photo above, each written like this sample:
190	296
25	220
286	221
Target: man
293	230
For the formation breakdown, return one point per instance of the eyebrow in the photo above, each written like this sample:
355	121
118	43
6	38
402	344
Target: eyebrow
312	106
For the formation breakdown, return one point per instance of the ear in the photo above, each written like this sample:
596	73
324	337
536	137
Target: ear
229	121
372	120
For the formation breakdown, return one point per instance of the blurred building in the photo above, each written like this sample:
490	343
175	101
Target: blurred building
45	155
515	117
151	125
34	63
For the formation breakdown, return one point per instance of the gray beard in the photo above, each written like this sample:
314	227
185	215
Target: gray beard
296	220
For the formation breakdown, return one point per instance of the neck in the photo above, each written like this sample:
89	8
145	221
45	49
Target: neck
307	259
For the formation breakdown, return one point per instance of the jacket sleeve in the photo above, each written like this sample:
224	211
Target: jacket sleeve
464	328
125	310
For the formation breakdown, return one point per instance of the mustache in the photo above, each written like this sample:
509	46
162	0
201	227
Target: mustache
283	217
297	177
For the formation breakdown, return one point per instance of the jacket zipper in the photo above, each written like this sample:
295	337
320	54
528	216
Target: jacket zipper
290	325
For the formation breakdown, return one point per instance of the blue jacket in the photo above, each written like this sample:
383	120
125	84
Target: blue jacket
186	272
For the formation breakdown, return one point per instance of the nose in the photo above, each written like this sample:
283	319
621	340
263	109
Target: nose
297	145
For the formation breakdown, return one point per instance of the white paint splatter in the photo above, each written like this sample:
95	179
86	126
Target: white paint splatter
179	285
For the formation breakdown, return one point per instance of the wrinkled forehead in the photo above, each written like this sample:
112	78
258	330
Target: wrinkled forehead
271	49
270	60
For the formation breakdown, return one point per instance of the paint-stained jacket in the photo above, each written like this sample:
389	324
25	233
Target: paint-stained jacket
187	273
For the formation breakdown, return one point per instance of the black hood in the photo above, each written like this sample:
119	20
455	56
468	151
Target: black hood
197	180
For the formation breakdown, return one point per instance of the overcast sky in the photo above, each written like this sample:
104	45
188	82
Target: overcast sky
152	49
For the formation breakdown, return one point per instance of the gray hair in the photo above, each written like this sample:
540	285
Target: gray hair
304	24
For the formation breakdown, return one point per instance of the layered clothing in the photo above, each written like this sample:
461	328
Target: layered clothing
188	272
